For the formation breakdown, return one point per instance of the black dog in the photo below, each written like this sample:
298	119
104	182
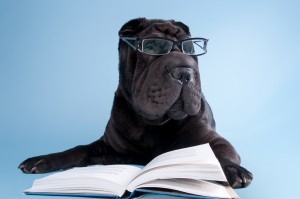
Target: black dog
158	106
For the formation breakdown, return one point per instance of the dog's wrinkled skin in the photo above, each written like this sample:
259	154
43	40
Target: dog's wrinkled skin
158	107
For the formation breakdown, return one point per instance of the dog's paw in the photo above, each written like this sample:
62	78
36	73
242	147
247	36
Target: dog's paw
39	164
237	176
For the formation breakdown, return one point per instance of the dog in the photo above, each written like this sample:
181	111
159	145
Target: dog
158	105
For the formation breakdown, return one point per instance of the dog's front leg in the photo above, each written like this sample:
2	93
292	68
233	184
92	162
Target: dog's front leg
94	153
237	176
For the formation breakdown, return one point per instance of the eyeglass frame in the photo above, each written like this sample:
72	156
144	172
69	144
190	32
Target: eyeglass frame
139	40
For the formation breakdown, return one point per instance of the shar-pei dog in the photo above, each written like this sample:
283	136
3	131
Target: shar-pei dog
158	105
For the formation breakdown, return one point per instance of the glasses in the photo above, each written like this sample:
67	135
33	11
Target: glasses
162	46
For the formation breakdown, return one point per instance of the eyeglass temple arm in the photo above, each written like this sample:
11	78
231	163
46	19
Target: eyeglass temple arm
125	39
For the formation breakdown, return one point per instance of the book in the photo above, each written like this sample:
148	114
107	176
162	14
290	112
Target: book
191	172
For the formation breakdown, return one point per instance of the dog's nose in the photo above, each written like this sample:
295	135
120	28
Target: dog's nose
183	74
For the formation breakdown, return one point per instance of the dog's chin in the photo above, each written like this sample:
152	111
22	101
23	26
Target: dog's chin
157	122
171	115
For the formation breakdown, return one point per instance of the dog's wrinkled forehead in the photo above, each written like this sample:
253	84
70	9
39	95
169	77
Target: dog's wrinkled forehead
164	29
142	27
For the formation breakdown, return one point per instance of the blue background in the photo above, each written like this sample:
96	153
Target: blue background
58	74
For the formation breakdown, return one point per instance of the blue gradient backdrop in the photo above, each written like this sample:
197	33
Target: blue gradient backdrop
58	74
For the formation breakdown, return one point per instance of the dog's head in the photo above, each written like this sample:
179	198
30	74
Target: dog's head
159	87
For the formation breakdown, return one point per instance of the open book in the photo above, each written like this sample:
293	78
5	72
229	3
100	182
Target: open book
191	172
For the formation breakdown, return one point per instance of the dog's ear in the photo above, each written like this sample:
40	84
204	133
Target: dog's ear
183	27
132	27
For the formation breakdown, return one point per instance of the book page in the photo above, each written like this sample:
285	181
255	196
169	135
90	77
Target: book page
194	187
111	179
198	163
200	154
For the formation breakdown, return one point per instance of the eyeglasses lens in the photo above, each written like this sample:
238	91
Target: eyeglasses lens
156	46
193	47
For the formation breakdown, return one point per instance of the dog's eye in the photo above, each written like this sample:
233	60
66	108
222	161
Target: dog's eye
149	46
